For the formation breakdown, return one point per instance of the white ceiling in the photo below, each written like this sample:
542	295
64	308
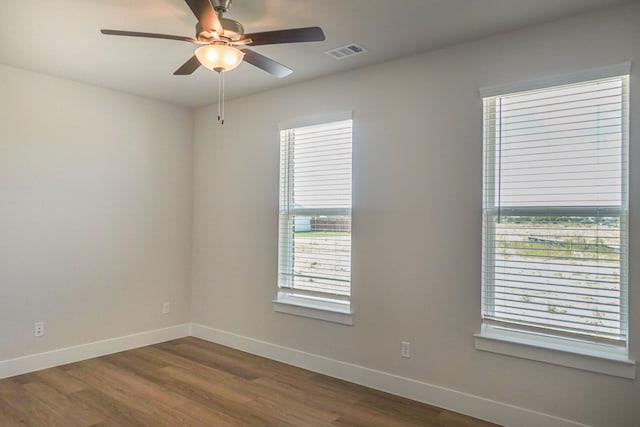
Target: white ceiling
61	37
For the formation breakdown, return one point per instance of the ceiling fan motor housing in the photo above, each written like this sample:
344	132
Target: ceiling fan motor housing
221	6
232	29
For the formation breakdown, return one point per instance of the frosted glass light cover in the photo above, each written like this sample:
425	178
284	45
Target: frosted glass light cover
219	57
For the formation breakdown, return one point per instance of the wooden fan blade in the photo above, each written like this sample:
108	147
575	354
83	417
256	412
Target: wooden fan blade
203	10
148	35
188	67
266	64
293	35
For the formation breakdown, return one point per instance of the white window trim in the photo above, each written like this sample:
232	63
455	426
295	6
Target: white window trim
287	302
591	74
593	357
330	311
316	119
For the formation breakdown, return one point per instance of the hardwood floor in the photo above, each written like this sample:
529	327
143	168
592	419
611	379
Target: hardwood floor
191	382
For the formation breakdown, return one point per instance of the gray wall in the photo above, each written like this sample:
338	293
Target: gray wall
95	213
416	218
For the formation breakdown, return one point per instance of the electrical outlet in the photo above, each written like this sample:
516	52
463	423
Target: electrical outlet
38	329
165	308
405	349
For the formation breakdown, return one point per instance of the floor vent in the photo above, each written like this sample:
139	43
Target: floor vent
346	51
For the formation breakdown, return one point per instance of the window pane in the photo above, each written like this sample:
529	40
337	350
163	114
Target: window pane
560	273
315	207
560	146
322	255
555	209
322	166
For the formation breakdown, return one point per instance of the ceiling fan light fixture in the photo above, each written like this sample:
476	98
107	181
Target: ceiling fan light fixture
219	57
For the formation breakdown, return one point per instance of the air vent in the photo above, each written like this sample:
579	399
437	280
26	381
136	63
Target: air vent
346	51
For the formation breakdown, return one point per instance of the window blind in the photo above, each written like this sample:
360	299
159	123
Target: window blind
315	211
555	210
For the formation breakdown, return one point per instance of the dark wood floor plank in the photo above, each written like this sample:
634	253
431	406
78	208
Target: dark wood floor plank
143	388
135	360
316	388
137	365
215	360
217	386
116	412
401	408
296	393
143	397
114	392
208	416
333	386
367	414
205	390
175	361
59	380
296	413
76	415
25	378
10	417
225	406
30	408
192	382
262	364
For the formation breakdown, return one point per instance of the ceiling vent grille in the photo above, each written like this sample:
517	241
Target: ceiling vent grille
346	51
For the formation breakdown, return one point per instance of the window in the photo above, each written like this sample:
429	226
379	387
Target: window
314	266
555	215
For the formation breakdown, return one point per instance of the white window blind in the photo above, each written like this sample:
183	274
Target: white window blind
555	210
315	212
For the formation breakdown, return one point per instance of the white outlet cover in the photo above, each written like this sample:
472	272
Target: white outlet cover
405	349
38	329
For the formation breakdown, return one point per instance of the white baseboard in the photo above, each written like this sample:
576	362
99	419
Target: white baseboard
464	403
35	362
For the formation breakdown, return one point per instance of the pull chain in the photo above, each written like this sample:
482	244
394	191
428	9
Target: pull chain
222	77
221	97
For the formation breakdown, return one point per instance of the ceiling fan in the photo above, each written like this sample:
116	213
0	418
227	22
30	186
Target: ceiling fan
224	45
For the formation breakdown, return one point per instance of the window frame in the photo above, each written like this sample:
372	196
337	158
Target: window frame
331	308
519	341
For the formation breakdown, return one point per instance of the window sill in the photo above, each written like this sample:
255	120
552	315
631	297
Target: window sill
588	357
330	312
